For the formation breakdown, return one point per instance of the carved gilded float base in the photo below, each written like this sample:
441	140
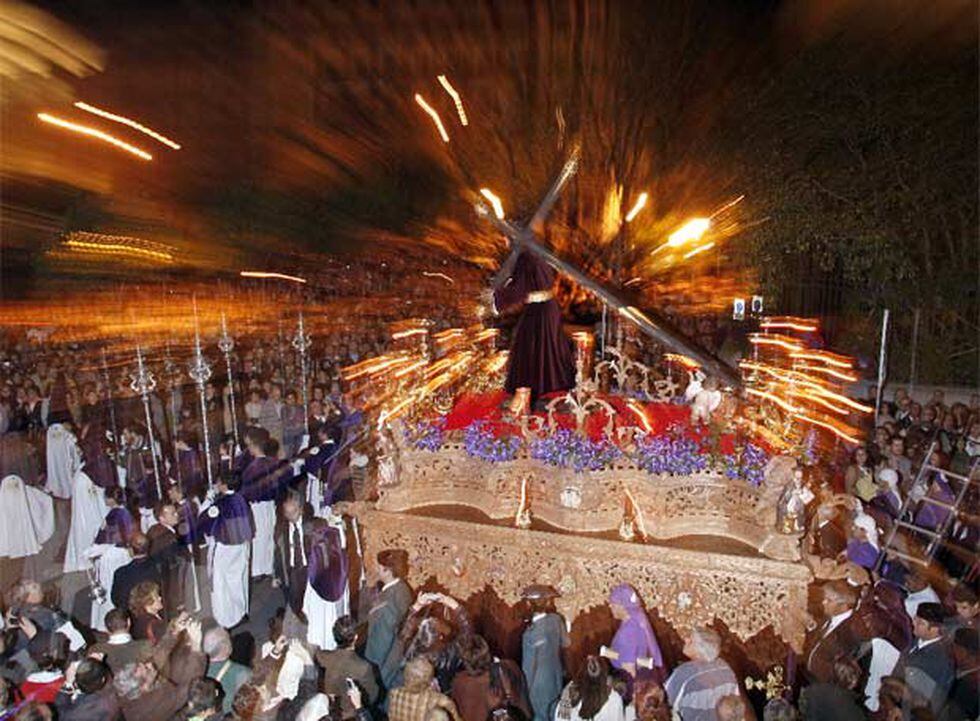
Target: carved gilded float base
688	588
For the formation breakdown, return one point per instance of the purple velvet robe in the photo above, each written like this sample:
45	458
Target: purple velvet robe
635	638
328	567
191	472
862	553
930	515
262	478
541	355
118	528
229	521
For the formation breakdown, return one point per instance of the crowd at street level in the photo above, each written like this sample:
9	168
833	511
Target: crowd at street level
172	568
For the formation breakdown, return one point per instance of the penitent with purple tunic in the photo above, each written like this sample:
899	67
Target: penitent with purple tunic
635	638
541	355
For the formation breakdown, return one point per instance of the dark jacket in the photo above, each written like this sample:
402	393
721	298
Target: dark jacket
928	672
293	578
119	655
384	621
178	666
171	559
100	706
130	576
342	664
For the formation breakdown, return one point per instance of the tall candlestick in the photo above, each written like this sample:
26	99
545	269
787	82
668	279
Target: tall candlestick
144	383
200	372
225	344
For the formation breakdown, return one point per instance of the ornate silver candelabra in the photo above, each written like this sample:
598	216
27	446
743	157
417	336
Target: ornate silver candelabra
226	344
301	342
144	383
200	371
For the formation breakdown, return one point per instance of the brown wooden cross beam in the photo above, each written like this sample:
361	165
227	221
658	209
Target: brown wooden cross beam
649	322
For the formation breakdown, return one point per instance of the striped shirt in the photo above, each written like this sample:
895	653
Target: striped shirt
694	688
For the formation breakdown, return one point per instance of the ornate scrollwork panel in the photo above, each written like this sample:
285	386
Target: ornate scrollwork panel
687	588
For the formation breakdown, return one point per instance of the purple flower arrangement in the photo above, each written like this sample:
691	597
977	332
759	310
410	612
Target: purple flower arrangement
481	443
428	435
670	454
567	449
749	464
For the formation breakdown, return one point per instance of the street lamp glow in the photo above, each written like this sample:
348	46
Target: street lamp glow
498	208
434	115
639	205
691	230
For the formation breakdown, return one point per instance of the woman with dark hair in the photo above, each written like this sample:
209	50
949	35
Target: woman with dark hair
486	683
146	607
859	477
49	652
204	701
590	697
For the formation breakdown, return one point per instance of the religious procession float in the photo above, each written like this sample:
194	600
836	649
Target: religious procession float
681	477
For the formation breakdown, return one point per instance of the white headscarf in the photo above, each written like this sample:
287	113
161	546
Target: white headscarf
889	476
868	525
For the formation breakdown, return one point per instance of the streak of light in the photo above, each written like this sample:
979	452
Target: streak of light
407	333
787	325
781	341
681	360
641	414
498	361
444	82
494	200
94	133
486	334
638	513
127	121
798	324
832	373
691	230
727	205
371	366
699	249
411	368
632	281
785	405
277	276
815	398
117	248
828	358
845	400
830	427
431	274
387	415
637	207
434	115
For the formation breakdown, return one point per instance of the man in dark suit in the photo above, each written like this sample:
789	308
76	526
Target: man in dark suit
387	613
141	568
927	667
838	635
343	664
93	698
170	556
120	650
292	538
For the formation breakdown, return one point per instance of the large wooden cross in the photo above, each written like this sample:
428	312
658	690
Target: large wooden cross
649	322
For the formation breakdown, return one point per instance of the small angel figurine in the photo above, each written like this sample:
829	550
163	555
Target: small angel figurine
791	509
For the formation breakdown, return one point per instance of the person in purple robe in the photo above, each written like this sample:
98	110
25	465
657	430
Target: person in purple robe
228	521
98	464
862	548
930	515
118	526
542	359
634	639
189	467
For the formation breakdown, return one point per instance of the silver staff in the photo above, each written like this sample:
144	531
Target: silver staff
200	372
301	342
144	383
111	405
225	344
